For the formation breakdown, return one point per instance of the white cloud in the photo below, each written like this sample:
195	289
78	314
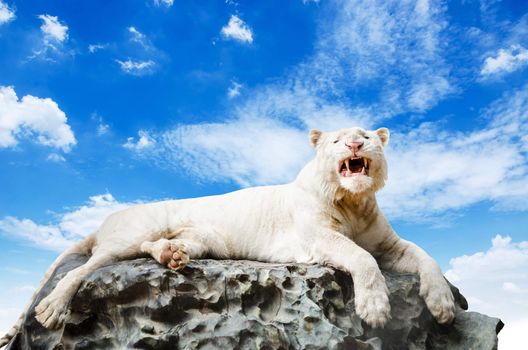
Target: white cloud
102	127
152	56
52	28
432	171
248	151
394	45
138	37
143	40
68	228
44	236
32	117
424	95
430	175
137	68
7	14
93	48
506	61
144	141
498	278
167	3
237	29
56	158
234	90
54	39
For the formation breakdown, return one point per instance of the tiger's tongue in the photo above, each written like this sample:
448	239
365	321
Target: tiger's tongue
355	170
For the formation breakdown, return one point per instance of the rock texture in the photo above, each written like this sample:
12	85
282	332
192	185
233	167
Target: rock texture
229	304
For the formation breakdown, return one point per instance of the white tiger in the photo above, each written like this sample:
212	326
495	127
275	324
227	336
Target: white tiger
328	215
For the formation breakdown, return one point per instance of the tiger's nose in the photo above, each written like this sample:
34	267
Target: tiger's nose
355	146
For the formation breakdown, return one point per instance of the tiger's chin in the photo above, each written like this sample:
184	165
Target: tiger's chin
357	184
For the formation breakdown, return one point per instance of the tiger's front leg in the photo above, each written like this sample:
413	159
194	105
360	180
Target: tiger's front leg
404	256
370	290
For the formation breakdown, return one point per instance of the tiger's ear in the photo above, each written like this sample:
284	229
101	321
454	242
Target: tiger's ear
315	136
384	135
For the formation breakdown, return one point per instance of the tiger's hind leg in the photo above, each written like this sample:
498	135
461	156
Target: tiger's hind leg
52	311
186	243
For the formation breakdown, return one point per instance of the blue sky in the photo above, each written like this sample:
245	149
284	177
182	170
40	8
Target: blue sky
106	104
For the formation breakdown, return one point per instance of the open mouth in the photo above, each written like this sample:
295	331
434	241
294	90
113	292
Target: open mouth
354	167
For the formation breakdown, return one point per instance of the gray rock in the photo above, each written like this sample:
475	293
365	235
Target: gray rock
227	304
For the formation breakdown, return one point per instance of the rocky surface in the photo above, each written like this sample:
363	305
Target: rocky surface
229	304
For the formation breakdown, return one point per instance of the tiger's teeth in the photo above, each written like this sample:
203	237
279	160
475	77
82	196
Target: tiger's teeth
365	162
347	164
